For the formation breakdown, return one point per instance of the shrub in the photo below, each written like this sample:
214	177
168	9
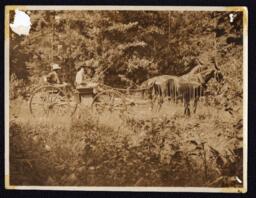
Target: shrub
18	87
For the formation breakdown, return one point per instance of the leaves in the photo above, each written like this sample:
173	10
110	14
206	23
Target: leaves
162	42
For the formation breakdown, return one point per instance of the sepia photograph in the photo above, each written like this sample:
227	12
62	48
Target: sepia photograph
126	98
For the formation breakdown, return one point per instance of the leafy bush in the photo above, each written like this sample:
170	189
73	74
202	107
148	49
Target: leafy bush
18	87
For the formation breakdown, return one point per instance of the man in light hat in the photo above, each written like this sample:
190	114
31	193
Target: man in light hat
53	76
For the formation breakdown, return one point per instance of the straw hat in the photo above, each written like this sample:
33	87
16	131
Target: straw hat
55	66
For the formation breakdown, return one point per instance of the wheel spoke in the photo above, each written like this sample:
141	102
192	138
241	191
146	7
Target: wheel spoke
54	97
109	101
51	100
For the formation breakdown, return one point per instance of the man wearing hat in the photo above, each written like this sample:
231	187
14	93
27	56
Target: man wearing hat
80	76
84	75
53	76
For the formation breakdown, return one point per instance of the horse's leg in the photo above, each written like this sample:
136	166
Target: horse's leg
152	100
185	109
188	110
195	104
152	103
161	99
163	95
151	94
155	98
143	94
186	105
158	102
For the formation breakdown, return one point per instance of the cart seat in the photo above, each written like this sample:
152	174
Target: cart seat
87	88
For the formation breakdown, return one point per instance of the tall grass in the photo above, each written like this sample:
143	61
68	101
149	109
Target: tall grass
142	148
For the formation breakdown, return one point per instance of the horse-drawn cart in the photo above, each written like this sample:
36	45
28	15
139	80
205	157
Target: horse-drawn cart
55	99
52	99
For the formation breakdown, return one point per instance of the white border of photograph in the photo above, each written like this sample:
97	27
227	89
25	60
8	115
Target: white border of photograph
9	8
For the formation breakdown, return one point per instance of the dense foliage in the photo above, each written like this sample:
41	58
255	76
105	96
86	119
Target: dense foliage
135	45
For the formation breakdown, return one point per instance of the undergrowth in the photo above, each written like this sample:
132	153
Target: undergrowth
129	150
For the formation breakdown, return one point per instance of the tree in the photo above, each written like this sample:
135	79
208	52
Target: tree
135	45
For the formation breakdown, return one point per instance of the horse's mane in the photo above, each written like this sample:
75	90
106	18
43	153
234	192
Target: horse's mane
193	70
198	69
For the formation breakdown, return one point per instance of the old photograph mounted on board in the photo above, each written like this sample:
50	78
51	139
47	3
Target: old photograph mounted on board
119	98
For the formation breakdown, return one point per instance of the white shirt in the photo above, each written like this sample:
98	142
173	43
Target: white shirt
79	77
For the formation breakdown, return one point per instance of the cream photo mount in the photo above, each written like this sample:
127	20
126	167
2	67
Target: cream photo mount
244	10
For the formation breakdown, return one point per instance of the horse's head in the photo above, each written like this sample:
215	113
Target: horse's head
210	73
217	73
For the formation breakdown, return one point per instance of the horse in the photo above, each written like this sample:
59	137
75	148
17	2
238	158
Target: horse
158	85
186	87
193	88
186	91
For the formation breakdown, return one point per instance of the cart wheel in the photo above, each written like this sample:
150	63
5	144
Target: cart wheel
50	100
109	101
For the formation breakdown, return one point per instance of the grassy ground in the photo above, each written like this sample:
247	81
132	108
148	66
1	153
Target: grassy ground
142	148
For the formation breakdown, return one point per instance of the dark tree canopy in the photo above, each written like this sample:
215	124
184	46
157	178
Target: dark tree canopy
133	44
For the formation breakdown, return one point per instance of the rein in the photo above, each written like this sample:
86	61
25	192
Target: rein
125	90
